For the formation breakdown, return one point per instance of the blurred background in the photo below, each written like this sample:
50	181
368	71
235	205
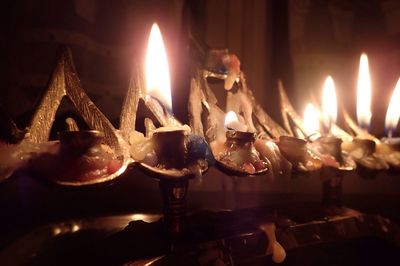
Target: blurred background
297	41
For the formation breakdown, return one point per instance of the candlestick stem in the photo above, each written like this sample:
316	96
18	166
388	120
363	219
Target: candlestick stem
174	200
332	189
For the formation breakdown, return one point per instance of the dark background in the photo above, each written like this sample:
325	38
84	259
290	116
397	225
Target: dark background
299	42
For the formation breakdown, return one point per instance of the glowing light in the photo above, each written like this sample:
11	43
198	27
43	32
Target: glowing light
393	111
329	104
158	82
232	122
311	121
364	93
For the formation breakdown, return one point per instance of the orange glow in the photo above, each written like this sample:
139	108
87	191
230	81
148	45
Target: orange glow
232	122
158	83
364	93
393	111
329	104
311	121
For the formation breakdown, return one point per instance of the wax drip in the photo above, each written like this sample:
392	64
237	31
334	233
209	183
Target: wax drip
274	248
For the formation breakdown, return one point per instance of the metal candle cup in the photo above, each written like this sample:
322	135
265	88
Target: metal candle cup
79	142
170	147
239	157
240	138
300	145
368	146
331	145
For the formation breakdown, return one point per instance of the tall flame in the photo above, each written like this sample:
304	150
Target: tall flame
311	121
393	111
158	83
329	105
364	93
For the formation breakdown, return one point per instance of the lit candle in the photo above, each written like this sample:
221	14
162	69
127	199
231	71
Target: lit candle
329	105
158	97
168	141
329	111
364	94
236	154
232	122
158	83
393	111
389	147
325	145
311	121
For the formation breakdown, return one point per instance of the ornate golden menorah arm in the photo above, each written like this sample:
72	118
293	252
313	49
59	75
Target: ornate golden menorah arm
40	125
131	102
89	111
64	81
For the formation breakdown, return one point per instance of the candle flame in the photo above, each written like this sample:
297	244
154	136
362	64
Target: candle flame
393	111
230	118
158	83
232	121
329	105
311	121
364	93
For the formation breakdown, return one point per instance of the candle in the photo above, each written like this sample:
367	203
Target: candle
176	155
326	146
236	154
393	111
171	146
329	111
364	94
158	97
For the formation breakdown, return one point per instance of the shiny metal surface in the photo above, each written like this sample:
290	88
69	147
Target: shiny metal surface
25	249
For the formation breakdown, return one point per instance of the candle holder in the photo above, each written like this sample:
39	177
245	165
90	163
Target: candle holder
203	102
390	150
90	157
334	161
177	154
296	151
239	157
81	158
180	155
329	149
36	151
174	150
363	149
